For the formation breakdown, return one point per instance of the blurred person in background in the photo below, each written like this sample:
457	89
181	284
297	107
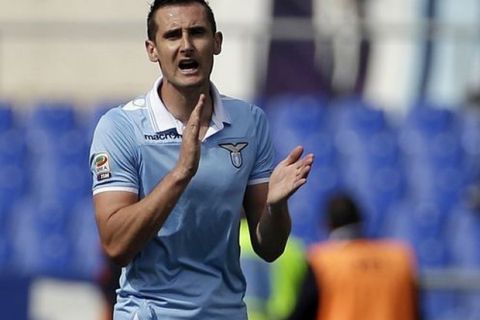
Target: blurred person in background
272	288
172	170
354	278
108	283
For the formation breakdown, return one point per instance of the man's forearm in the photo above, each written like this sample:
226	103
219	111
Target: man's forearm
273	230
128	229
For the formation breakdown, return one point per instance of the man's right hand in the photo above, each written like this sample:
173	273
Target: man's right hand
189	158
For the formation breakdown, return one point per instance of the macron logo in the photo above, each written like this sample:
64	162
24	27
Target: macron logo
164	136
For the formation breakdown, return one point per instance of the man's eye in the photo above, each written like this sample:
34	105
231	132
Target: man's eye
171	35
198	31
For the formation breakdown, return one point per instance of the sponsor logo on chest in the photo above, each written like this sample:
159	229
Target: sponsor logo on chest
170	135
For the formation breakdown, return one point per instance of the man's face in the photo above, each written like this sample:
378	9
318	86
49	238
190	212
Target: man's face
184	45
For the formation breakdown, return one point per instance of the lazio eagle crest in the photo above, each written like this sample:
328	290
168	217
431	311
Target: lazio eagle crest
235	152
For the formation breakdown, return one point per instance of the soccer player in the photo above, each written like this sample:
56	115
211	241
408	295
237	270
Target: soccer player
172	170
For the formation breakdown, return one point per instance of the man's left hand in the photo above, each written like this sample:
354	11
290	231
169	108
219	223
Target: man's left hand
289	175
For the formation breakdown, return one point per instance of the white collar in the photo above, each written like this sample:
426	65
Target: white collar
163	120
347	232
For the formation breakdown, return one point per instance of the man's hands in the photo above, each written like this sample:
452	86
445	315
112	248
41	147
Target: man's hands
189	158
289	175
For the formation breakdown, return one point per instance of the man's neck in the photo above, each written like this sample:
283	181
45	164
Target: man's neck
180	102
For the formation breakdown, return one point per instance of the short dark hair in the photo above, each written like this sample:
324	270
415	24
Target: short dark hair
157	4
342	210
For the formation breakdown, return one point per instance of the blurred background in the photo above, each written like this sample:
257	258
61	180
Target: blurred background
386	93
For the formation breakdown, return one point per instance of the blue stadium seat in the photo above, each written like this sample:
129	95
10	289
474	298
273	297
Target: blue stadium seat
383	150
439	305
358	126
306	112
421	224
13	148
5	254
469	306
432	136
59	154
306	215
300	120
40	235
15	296
431	119
54	129
383	188
13	185
359	116
53	116
88	258
65	183
463	237
307	205
6	116
445	186
470	142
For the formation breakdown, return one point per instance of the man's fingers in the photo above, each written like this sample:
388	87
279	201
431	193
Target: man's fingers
306	161
197	111
294	155
305	171
194	120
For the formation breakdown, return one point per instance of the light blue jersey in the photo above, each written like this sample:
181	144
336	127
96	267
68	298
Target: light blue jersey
191	269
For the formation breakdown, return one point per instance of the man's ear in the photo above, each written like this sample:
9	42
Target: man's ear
151	50
218	43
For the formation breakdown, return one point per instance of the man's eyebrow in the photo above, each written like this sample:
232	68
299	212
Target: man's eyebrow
197	28
172	32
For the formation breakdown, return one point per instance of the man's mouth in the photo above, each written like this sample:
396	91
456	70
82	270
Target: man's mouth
188	65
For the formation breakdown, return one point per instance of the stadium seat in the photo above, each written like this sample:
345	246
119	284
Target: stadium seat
445	186
87	257
5	253
13	185
41	245
432	136
470	142
358	115
431	119
463	237
422	224
6	116
301	120
438	305
15	297
305	113
59	156
12	147
53	116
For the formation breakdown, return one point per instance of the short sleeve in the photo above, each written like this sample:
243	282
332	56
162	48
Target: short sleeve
265	152
113	155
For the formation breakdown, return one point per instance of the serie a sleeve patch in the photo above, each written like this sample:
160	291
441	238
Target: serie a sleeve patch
102	166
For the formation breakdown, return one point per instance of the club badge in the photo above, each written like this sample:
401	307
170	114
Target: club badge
235	152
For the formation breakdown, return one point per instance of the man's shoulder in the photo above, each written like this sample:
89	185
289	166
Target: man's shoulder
240	108
232	102
122	119
126	112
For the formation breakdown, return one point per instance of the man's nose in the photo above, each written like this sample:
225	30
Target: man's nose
186	43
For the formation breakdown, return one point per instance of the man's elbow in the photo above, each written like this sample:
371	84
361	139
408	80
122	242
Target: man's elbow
118	255
270	255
